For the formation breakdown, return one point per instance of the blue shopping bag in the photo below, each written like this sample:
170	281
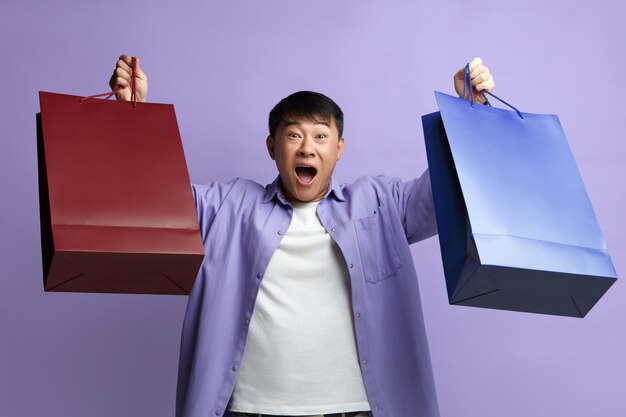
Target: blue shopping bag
516	227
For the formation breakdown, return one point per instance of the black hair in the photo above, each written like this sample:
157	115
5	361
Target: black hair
308	105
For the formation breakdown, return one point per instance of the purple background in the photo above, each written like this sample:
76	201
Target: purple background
223	65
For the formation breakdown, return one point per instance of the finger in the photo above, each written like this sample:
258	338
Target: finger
475	62
116	82
485	76
122	64
126	58
478	70
121	73
487	85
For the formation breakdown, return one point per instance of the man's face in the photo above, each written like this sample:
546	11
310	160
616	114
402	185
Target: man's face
306	152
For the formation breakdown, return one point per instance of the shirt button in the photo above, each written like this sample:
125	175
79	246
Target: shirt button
358	315
375	408
247	322
332	229
280	232
235	367
218	412
259	275
364	361
351	266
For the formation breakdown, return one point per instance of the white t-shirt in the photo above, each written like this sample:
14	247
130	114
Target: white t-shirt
301	355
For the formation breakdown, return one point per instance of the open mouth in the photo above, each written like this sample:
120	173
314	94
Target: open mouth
305	174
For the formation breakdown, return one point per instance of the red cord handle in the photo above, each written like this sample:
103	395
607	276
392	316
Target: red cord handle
133	93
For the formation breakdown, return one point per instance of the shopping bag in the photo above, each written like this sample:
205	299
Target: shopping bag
116	205
516	227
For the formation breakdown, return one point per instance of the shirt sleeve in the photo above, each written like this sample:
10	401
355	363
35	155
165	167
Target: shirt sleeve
414	201
208	199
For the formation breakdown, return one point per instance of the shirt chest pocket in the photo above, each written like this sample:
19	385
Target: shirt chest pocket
378	248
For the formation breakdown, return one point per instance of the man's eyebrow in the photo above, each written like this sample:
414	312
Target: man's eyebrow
290	122
296	122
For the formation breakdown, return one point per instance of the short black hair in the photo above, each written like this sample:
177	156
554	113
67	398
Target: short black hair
308	105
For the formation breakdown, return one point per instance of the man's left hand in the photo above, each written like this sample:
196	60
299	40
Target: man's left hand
481	80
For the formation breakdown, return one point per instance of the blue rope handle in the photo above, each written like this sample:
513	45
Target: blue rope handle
467	82
496	97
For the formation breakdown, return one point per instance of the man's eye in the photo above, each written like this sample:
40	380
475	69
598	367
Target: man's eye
294	135
321	136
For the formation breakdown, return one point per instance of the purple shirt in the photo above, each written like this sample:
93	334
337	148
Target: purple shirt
373	220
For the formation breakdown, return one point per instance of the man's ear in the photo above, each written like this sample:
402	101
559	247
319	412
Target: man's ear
269	142
340	150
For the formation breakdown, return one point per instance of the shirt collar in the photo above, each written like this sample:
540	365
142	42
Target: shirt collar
275	189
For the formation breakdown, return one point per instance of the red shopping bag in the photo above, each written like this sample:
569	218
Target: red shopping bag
117	212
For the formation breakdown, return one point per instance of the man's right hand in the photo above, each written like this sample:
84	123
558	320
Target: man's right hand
121	78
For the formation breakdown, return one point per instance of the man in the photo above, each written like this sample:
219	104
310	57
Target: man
307	302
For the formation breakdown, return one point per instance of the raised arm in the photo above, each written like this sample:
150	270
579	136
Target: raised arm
414	198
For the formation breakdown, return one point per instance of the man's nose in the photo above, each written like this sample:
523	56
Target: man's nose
306	147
